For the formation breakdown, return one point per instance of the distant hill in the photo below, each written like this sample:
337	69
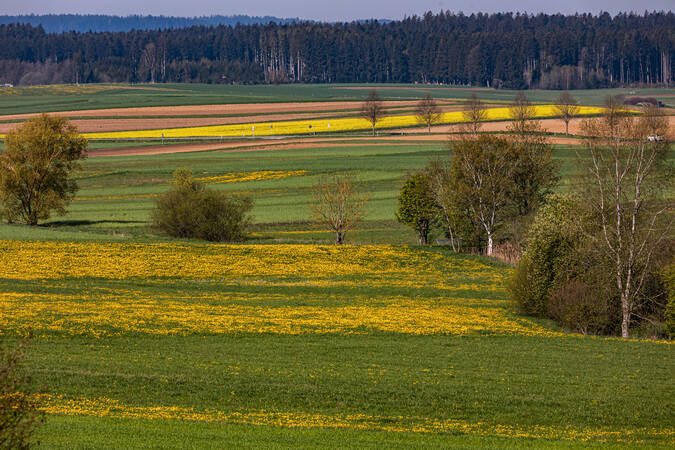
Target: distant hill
58	23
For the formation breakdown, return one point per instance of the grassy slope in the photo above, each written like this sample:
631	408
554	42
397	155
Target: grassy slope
511	380
114	200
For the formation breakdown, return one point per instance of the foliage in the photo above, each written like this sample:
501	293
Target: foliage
416	206
481	179
502	50
428	112
551	242
628	183
19	413
669	275
189	210
337	204
455	219
372	109
35	170
576	306
534	172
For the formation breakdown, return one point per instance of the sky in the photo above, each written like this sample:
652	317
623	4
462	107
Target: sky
328	10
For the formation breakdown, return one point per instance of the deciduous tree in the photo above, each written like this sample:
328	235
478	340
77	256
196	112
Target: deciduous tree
36	168
372	109
481	174
568	108
338	204
428	112
416	206
474	113
629	185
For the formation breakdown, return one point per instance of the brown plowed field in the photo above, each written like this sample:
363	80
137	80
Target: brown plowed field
121	124
225	109
276	144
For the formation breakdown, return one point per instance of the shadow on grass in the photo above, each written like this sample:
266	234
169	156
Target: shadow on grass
77	223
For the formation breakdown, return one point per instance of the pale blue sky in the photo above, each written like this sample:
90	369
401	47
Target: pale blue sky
331	10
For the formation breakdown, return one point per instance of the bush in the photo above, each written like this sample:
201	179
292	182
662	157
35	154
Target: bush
577	307
550	245
19	413
189	210
669	278
417	206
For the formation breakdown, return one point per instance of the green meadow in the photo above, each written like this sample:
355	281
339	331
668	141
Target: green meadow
21	100
141	341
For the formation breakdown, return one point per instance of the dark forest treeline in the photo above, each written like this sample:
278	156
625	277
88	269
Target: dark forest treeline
500	50
59	23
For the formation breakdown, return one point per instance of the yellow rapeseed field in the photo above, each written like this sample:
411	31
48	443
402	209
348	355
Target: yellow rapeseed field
283	128
294	127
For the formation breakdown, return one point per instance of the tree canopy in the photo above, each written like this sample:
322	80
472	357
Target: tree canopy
35	170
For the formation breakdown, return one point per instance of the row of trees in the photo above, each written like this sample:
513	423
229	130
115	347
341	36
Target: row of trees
499	50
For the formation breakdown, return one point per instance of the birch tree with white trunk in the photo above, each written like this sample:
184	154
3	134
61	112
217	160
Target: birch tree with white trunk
629	185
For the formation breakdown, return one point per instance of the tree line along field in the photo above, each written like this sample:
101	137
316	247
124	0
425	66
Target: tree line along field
288	341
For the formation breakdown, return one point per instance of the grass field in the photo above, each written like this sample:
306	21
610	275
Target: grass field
20	100
285	341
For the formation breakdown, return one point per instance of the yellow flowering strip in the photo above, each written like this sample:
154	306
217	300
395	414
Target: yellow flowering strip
238	177
100	311
107	407
138	312
395	266
283	128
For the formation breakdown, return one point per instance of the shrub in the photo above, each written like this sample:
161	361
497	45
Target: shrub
669	278
189	210
19	413
576	306
550	244
417	206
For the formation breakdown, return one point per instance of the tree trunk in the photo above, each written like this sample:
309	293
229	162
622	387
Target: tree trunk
339	237
567	127
625	321
489	245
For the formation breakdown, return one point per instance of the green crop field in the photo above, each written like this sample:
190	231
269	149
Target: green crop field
21	100
141	341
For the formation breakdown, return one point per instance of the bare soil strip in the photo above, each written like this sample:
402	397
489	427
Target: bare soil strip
256	145
229	109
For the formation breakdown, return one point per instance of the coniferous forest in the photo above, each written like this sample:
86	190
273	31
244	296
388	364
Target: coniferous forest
516	51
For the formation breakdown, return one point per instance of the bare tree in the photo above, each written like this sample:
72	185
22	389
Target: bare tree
474	113
568	108
630	189
338	204
149	61
372	109
428	112
522	115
